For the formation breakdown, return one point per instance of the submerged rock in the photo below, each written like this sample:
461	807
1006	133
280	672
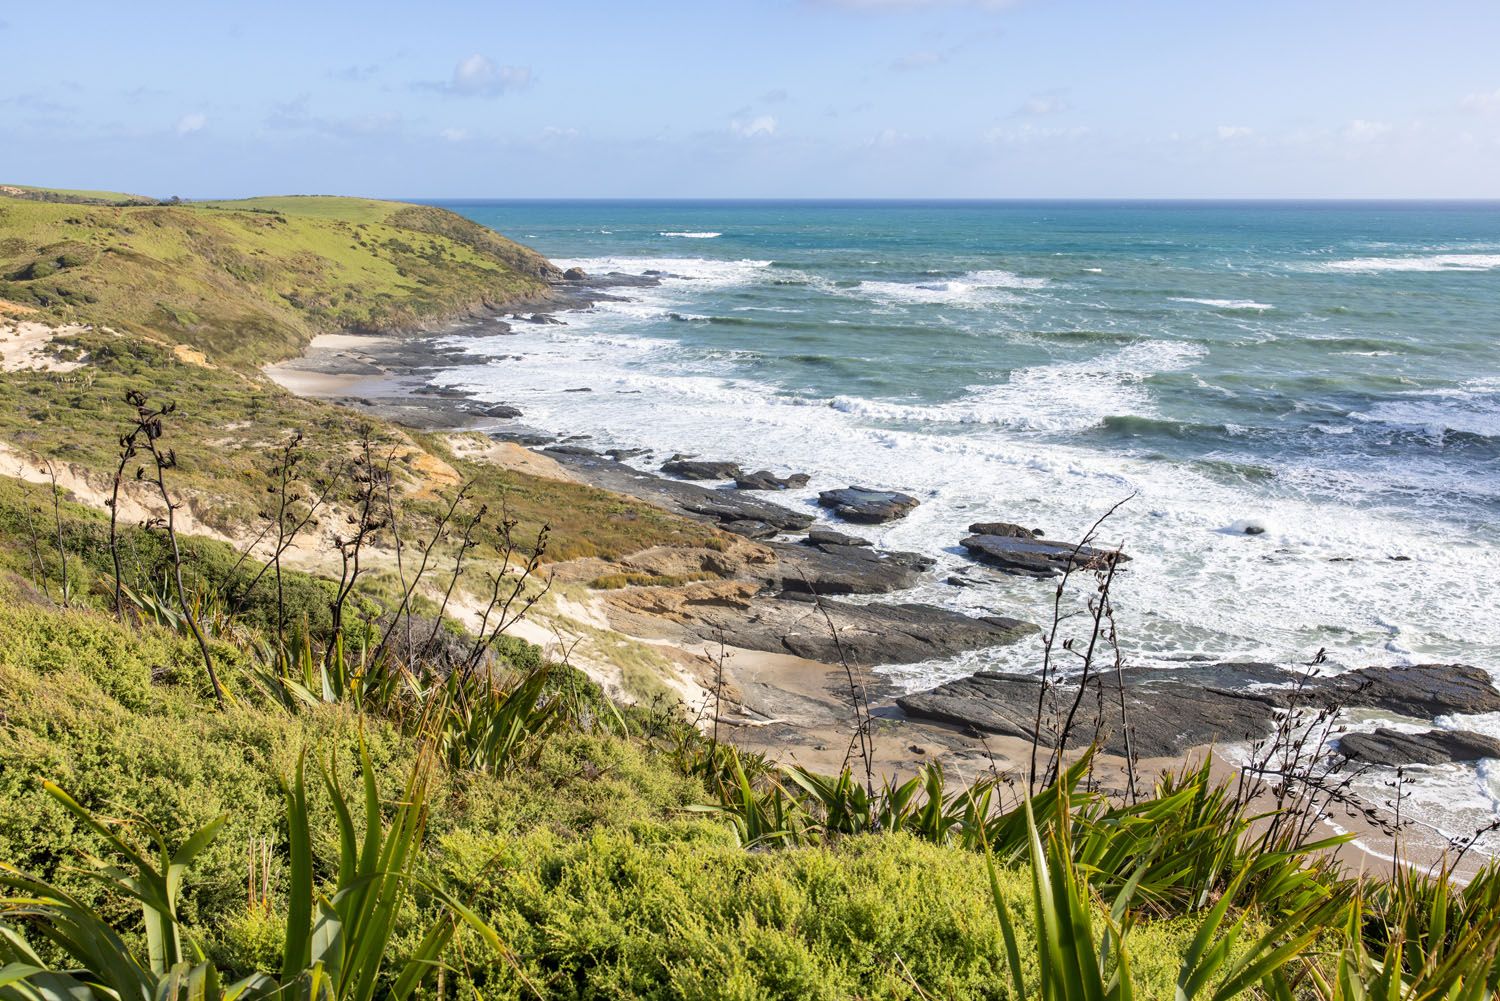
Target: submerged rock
1435	747
865	505
1036	557
764	479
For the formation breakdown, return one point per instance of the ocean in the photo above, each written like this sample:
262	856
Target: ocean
1327	373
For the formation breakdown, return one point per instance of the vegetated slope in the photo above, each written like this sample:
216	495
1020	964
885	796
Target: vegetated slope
586	861
253	281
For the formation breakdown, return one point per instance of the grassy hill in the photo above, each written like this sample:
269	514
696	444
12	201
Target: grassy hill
252	281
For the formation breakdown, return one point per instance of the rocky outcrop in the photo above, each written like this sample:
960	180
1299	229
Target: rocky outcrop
825	537
1004	529
574	275
834	569
698	469
502	411
1435	747
751	529
1172	710
868	634
764	479
721	506
868	506
1032	556
1423	691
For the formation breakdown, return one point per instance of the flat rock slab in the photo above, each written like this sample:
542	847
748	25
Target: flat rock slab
1032	556
825	537
703	503
867	634
764	479
871	634
837	569
868	506
1435	747
1172	710
697	469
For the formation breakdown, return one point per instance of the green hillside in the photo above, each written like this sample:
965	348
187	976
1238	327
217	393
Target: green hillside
253	281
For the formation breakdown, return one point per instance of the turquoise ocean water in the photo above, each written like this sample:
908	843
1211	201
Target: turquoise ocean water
1327	372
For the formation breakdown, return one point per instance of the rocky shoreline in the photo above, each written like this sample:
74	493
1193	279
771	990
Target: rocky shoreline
813	594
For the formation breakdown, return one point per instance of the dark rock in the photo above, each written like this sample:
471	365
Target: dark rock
869	634
575	274
1255	530
579	389
865	505
625	453
531	439
828	569
679	497
1004	529
1027	555
765	480
1172	710
501	410
1435	747
750	529
1421	690
697	469
576	450
826	537
544	318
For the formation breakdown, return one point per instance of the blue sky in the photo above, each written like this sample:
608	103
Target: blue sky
779	98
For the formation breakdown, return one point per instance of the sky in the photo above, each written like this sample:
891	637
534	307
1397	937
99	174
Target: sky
768	99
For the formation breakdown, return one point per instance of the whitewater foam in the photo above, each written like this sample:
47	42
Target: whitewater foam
693	236
1226	303
1426	262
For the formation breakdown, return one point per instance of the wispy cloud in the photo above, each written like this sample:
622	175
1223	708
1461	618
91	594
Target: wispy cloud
1050	103
1362	131
355	74
454	135
1228	133
295	116
480	76
1486	101
760	126
776	96
192	122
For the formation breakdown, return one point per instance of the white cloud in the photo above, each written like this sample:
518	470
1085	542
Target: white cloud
455	135
191	123
889	138
1030	133
750	128
1044	104
478	76
553	132
1481	101
1230	132
1362	131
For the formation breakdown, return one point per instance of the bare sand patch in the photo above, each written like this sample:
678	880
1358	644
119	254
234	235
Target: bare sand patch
26	345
